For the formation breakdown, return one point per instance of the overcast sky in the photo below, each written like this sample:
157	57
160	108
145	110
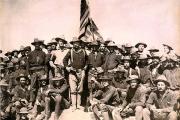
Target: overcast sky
151	21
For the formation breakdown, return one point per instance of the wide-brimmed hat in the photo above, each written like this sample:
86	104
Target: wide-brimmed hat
153	49
15	51
22	76
8	53
3	83
6	59
168	46
68	46
128	45
43	44
112	44
43	77
47	45
162	78
27	48
53	42
106	42
10	65
100	40
155	57
119	47
57	77
141	43
61	38
2	64
15	61
104	78
37	41
23	110
75	39
84	41
22	48
132	77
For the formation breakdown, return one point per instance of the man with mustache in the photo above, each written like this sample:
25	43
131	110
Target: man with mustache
75	62
36	67
160	102
134	102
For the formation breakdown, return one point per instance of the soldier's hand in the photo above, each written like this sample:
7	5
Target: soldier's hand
93	79
93	69
38	103
7	110
103	106
131	105
152	107
47	92
93	102
68	69
2	114
17	103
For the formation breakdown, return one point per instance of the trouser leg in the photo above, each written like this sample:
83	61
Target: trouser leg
78	99
172	116
146	114
47	107
73	101
116	115
58	100
105	115
96	112
139	112
73	87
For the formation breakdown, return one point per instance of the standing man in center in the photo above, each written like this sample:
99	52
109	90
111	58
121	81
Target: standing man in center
77	58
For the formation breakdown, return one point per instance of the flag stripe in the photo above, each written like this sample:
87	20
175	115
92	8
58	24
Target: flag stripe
84	24
84	8
85	17
88	28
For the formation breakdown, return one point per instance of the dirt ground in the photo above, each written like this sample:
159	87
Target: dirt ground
76	115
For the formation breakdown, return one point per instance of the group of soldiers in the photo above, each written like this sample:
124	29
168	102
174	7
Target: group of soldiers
111	81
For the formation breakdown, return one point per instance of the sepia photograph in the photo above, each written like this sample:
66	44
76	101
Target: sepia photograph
90	60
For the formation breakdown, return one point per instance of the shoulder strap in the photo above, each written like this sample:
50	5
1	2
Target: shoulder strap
71	55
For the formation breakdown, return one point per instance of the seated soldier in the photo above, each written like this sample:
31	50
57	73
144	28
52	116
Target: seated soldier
105	99
5	101
160	103
134	101
40	100
119	82
21	94
55	94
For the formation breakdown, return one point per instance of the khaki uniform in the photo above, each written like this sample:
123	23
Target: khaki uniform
163	103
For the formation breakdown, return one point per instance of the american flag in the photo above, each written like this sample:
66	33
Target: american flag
88	29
